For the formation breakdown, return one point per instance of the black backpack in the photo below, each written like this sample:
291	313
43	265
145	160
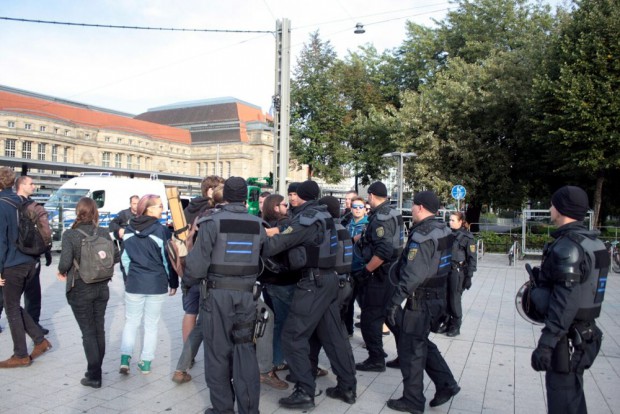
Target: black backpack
96	258
29	239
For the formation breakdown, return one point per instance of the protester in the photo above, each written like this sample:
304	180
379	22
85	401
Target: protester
88	301
356	225
16	270
150	278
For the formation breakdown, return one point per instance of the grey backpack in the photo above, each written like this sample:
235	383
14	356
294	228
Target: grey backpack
97	258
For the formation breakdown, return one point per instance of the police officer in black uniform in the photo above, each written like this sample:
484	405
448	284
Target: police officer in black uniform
423	275
464	264
380	245
572	279
225	260
310	241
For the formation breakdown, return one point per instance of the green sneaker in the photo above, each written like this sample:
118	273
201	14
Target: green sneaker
125	359
144	367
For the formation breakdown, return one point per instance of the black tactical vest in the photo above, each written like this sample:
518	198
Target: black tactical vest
344	255
398	240
322	256
441	259
236	251
576	258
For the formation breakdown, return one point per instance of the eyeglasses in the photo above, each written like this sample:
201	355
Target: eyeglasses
357	206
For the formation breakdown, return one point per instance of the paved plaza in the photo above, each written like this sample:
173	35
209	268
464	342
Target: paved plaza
490	359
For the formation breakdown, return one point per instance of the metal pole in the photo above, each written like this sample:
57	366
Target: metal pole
400	183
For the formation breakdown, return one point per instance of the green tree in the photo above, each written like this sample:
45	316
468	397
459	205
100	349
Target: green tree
578	106
318	109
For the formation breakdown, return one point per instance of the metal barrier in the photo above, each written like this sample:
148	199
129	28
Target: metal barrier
479	249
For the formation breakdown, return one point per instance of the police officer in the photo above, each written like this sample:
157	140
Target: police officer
225	259
464	262
573	275
310	242
380	245
423	272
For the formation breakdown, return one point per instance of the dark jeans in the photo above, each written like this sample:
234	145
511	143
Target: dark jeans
20	322
280	297
32	294
88	303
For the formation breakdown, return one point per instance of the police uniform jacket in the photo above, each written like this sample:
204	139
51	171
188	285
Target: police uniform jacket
423	258
378	238
464	251
575	277
296	234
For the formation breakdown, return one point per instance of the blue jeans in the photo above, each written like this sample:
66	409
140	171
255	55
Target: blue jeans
88	303
137	305
281	298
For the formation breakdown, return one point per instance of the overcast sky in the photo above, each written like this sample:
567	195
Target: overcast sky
133	70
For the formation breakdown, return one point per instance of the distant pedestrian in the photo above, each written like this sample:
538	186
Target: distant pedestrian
150	279
120	223
88	301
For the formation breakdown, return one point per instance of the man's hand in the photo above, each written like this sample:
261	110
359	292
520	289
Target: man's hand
61	277
2	281
390	314
362	276
541	358
272	231
172	292
467	282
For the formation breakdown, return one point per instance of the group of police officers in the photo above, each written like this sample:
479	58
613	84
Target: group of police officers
227	258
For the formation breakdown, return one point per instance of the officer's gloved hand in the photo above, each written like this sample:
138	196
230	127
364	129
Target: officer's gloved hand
534	273
390	314
48	258
541	358
361	276
467	282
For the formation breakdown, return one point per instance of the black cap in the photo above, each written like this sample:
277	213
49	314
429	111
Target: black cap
333	205
292	187
308	190
377	188
235	190
428	200
571	201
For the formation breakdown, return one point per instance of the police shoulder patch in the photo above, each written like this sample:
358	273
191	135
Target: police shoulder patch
472	248
380	231
288	230
412	253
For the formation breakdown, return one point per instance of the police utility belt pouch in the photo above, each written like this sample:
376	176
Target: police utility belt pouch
560	362
249	337
313	275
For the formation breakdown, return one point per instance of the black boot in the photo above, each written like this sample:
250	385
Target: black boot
298	399
338	393
377	366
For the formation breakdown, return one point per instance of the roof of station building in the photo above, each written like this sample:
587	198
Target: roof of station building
24	102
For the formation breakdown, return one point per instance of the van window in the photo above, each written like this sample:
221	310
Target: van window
99	197
66	198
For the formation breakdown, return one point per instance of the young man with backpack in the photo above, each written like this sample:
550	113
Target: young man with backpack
16	270
24	187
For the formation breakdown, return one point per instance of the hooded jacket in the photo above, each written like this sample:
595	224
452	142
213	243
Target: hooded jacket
10	256
148	270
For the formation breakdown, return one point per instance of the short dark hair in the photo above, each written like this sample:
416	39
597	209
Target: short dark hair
19	181
134	196
265	194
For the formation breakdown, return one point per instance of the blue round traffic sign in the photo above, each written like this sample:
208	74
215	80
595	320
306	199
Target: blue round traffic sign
458	192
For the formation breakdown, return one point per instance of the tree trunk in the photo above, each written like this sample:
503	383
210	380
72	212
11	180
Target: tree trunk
598	197
472	215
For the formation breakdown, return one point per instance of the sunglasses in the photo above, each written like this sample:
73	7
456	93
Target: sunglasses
358	206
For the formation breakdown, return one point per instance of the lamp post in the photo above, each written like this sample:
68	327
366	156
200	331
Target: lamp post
401	156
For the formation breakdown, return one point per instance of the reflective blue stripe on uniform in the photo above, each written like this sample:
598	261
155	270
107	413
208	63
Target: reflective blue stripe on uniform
239	251
241	243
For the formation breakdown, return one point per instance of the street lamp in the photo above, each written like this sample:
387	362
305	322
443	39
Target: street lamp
401	156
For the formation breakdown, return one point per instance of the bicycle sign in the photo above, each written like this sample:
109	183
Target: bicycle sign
458	193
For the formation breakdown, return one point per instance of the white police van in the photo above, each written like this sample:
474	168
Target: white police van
110	193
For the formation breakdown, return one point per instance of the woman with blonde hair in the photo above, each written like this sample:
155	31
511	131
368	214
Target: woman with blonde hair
150	278
88	301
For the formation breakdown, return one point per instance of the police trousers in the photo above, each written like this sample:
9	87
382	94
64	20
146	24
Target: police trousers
418	354
228	318
455	292
374	294
315	309
565	392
